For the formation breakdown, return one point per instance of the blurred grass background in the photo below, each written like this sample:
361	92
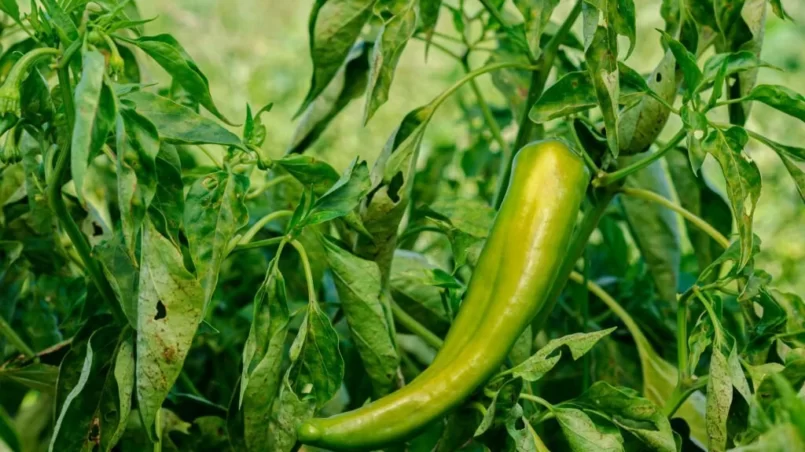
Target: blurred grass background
256	51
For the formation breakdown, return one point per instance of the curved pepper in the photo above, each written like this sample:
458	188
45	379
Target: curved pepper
509	286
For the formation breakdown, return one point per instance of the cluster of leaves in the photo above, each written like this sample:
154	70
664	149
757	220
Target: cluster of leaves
165	284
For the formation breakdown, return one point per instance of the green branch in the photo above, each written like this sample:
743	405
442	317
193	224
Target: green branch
412	325
311	286
605	179
688	215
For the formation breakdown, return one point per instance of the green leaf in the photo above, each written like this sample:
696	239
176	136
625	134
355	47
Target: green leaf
466	223
428	18
254	131
781	98
214	212
737	376
167	207
169	310
414	288
732	63
536	16
121	271
96	380
697	125
660	377
502	402
791	156
655	228
178	124
310	171
262	359
535	367
349	83
392	181
94	118
359	291
287	414
37	376
137	149
344	196
620	15
10	7
632	413
587	434
525	439
169	54
743	180
719	399
777	7
388	48
65	27
687	61
333	28
640	125
602	66
573	93
316	364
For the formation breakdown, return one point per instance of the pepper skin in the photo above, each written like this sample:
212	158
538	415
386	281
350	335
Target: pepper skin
510	284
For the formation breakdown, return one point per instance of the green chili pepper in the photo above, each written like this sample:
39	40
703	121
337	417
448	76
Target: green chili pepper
509	286
10	90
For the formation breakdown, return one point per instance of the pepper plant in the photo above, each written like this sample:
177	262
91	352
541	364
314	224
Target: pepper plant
168	282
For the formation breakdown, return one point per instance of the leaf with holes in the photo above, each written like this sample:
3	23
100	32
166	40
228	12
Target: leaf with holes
96	380
316	364
169	310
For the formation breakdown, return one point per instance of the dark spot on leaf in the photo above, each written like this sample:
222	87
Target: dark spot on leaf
94	436
659	77
519	424
161	311
96	229
395	185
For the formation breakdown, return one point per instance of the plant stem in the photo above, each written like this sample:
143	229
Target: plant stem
259	224
605	179
538	79
438	100
538	400
311	286
54	194
259	244
679	396
447	37
15	340
681	339
688	215
267	185
575	250
412	325
494	13
712	314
